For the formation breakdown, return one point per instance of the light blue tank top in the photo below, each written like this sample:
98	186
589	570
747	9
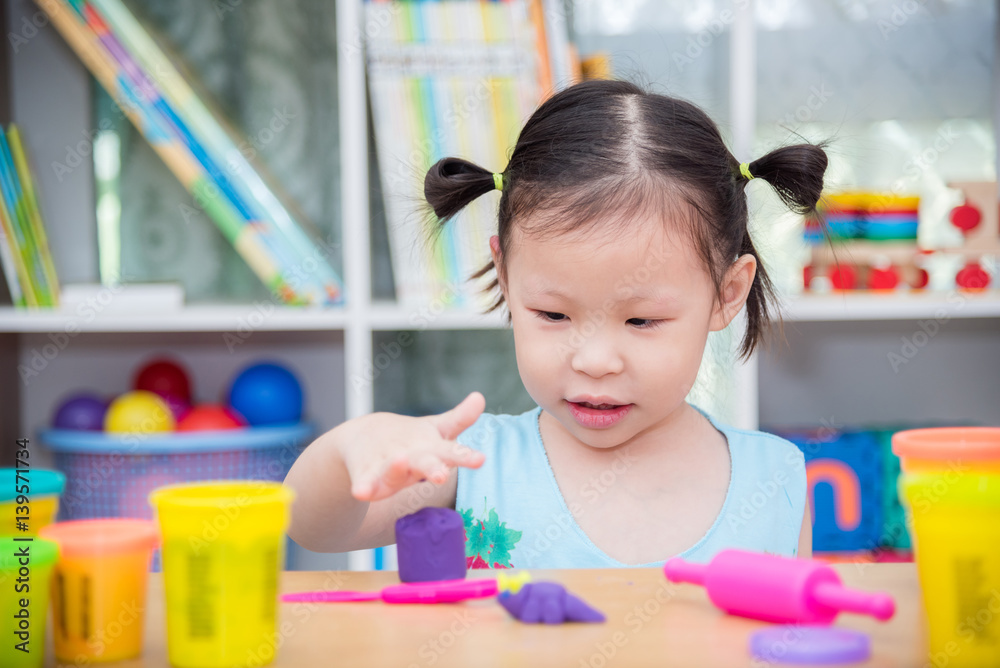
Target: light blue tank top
516	517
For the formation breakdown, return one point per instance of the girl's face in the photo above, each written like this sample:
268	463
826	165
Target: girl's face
609	329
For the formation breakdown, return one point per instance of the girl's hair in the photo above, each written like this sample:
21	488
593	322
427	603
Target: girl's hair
604	151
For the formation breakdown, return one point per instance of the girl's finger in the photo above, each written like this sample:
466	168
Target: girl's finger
452	423
395	477
376	481
456	454
430	466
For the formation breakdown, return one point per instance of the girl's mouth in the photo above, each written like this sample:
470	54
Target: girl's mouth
597	416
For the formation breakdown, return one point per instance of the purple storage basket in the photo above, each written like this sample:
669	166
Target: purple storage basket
111	475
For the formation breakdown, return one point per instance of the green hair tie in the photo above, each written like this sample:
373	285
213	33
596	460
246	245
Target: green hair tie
745	171
498	181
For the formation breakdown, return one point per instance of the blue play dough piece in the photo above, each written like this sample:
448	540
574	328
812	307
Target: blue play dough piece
815	645
548	603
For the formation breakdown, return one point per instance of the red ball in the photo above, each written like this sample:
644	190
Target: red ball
843	277
883	279
165	378
972	277
966	217
208	417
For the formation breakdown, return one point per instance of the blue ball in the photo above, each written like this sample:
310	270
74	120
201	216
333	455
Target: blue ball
267	394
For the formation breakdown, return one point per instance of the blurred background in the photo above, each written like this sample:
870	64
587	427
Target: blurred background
340	107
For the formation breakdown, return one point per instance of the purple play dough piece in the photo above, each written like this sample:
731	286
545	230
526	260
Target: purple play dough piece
430	545
547	602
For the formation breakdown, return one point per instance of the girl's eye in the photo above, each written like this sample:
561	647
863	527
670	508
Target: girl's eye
644	323
549	316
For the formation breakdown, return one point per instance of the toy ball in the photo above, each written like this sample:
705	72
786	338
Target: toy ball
206	417
81	411
139	412
267	394
178	406
164	377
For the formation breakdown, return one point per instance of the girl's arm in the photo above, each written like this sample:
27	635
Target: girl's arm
354	481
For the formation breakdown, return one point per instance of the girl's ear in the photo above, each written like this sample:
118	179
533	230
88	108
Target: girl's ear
497	264
736	286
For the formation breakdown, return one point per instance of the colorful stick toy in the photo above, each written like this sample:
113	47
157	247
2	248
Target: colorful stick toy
778	589
445	591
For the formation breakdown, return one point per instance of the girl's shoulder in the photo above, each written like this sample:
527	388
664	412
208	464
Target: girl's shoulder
765	442
492	429
758	443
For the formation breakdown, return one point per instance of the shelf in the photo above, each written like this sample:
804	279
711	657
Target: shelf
914	306
241	317
200	318
386	316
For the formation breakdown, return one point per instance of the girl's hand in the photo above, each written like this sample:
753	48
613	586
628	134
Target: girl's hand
390	452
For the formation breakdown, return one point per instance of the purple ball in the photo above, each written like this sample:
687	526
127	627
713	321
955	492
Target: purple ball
430	545
82	411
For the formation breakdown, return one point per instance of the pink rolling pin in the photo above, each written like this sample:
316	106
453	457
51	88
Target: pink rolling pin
778	589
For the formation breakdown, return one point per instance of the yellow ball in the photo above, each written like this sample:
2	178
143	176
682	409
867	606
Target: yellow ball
138	412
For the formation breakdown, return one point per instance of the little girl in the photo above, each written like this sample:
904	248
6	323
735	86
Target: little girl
622	242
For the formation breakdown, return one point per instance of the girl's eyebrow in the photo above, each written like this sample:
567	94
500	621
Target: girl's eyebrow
653	297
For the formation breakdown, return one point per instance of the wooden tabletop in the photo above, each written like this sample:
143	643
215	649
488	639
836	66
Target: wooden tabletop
651	622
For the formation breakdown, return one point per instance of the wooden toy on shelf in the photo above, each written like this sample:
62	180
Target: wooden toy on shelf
871	241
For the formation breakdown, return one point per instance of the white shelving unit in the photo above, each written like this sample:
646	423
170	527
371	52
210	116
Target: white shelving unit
334	346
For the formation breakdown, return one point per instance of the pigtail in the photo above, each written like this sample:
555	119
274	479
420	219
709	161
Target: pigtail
452	183
758	305
795	173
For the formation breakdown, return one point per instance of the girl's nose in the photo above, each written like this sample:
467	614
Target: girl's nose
596	356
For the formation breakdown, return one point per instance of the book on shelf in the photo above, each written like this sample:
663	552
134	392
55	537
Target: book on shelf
198	146
24	250
454	78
